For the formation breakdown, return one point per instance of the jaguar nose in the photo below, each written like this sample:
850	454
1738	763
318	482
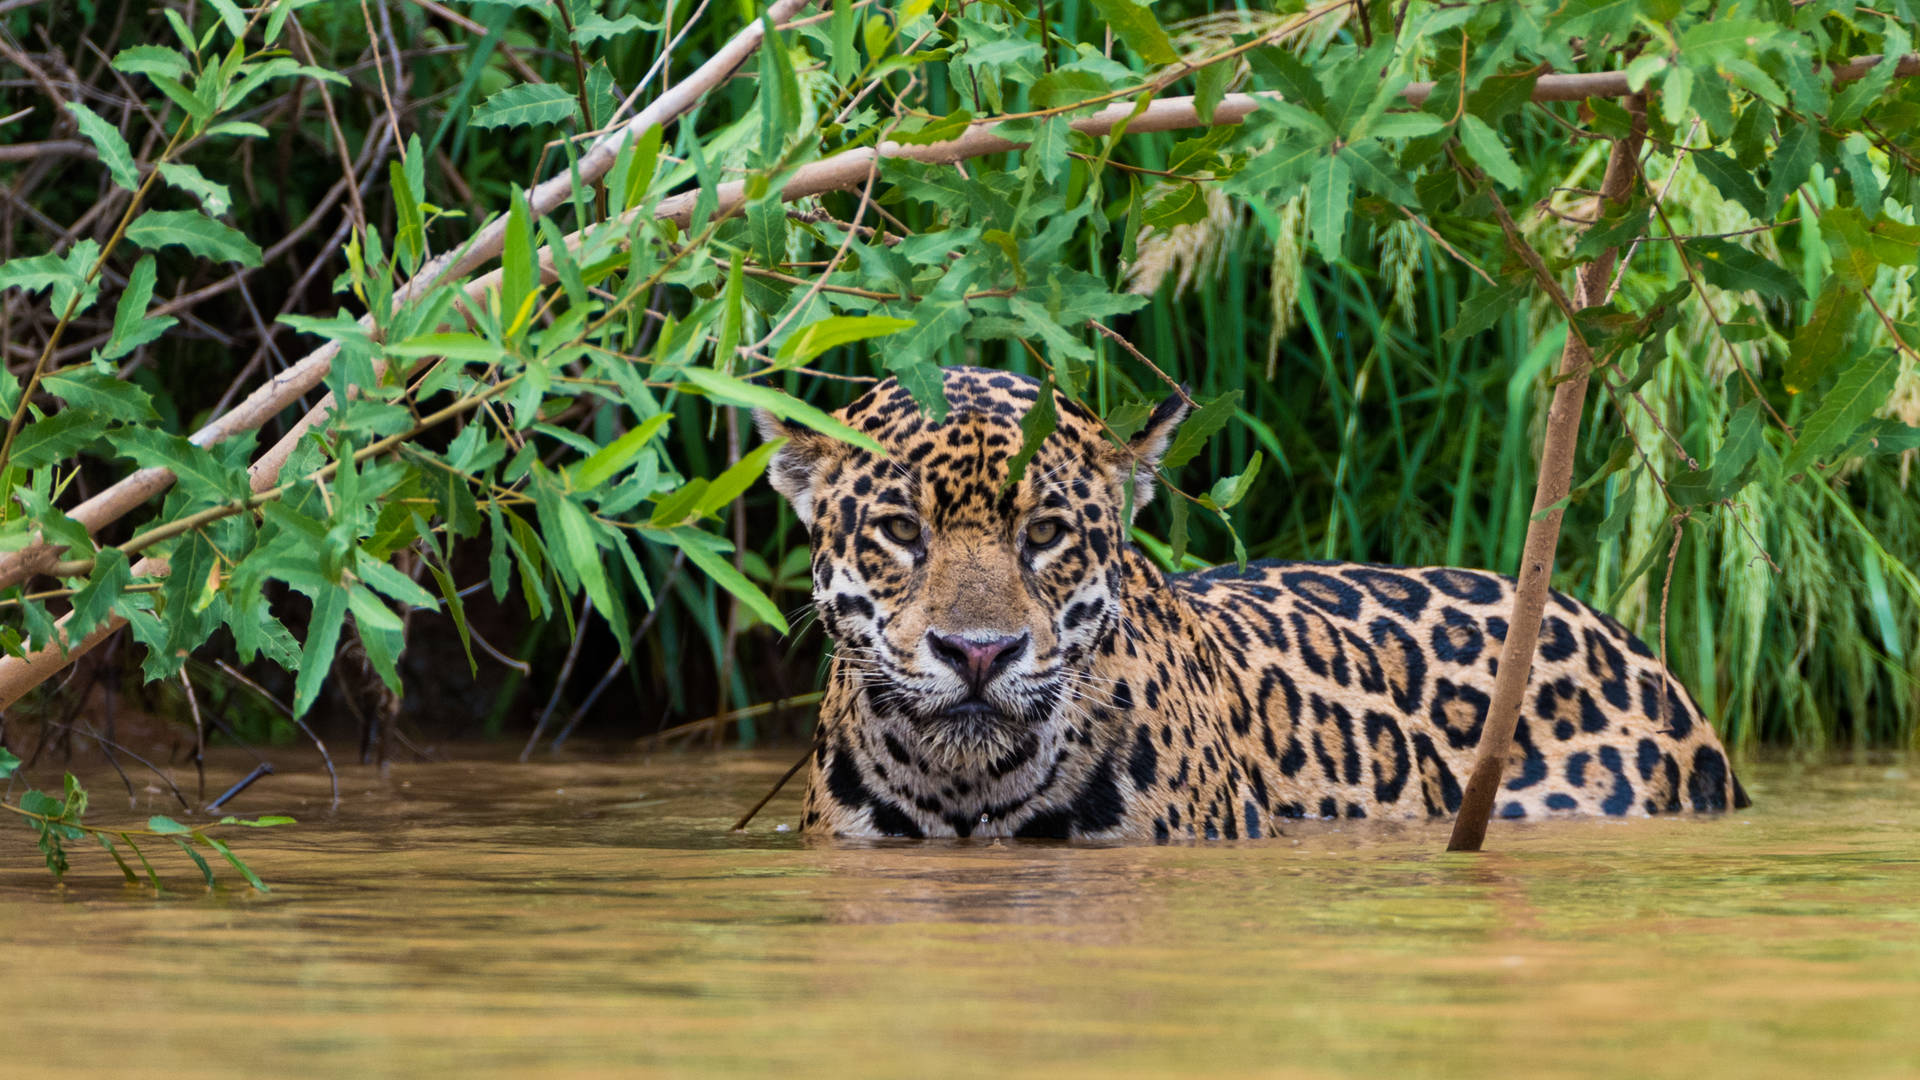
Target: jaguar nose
977	660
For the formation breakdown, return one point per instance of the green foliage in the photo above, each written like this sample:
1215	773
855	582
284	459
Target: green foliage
581	436
59	820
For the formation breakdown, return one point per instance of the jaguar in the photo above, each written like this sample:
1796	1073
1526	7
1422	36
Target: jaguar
1007	663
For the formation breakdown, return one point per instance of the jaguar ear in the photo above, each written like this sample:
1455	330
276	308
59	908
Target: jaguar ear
1149	445
794	465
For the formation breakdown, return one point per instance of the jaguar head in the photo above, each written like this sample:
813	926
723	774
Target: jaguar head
968	607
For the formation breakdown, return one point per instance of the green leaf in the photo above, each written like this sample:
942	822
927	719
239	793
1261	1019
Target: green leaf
394	584
1177	204
767	229
467	348
112	148
732	317
231	17
55	526
214	197
151	59
195	106
246	871
199	473
1616	228
1656	553
1376	170
1066	86
1616	519
94	601
1824	339
196	232
1278	172
519	270
843	59
1134	24
938	129
54	438
924	381
206	872
1038	423
646	159
1488	306
1859	248
1733	463
1402	125
1195	430
1279	67
1732	181
1210	86
1860	390
1229	490
802	346
1792	160
410	228
105	395
1484	144
1177	535
607	462
779	92
1329	200
677	507
65	276
265	821
187	592
8	763
166	826
739	392
591	26
132	327
734	483
239	129
703	552
1731	266
316	655
1859	168
938	318
526	104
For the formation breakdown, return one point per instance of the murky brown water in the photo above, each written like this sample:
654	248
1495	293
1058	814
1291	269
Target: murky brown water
596	918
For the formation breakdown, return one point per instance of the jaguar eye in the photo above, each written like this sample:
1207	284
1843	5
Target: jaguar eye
902	529
1043	533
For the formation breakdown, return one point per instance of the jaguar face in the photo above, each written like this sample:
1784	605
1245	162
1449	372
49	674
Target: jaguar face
968	607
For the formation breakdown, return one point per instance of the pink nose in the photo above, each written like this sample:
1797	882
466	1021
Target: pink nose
977	660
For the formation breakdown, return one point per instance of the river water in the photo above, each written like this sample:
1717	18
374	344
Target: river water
592	918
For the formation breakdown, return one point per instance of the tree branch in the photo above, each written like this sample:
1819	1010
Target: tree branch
1543	531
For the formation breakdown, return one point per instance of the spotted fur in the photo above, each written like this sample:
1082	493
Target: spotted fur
986	684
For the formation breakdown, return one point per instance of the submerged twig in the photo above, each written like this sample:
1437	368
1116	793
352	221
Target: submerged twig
768	797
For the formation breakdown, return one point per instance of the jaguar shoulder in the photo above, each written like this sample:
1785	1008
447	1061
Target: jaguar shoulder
1006	663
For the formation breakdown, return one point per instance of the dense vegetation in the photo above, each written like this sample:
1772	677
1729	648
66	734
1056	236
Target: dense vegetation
540	476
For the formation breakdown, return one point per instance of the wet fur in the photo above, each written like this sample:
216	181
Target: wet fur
1152	705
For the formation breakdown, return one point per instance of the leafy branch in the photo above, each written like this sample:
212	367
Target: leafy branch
59	821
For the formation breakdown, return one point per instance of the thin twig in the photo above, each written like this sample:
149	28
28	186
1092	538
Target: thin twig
740	825
333	778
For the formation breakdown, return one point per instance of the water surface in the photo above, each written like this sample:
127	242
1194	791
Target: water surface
593	918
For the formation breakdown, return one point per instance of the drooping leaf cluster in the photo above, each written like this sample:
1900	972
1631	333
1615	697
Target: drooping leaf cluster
59	821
